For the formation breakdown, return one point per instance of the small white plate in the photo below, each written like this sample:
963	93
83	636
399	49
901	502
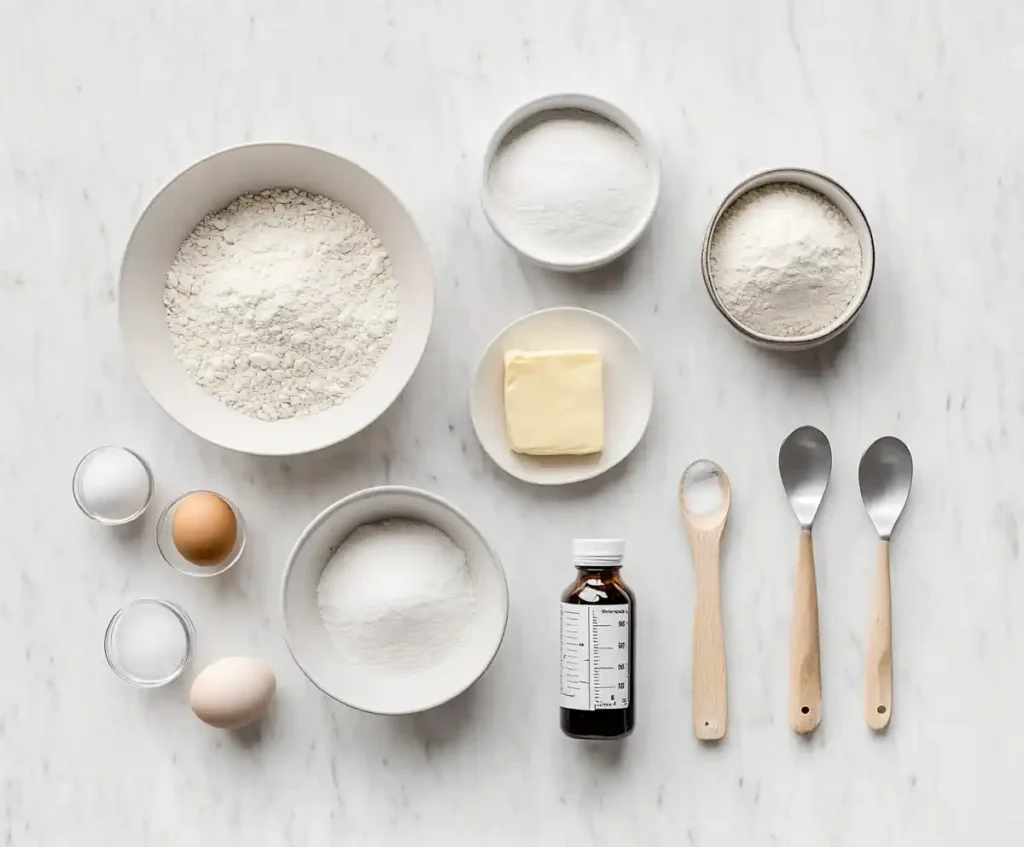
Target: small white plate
628	392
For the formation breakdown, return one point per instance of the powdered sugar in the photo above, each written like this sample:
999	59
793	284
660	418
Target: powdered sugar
282	304
397	596
569	185
785	262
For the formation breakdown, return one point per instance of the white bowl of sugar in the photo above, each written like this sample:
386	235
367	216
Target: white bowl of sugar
570	182
393	601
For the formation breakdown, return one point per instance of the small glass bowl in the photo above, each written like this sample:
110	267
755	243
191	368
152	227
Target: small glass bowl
76	487
165	541
112	653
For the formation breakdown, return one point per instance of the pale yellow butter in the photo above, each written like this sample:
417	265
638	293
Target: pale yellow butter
554	402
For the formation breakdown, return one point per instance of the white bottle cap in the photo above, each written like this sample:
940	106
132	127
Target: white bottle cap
598	551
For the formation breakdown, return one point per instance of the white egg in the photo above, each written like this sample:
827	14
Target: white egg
232	693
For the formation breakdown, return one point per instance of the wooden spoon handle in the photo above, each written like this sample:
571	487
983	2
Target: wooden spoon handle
805	650
710	677
878	676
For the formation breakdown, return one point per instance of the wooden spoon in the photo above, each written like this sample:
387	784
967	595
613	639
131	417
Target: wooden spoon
704	498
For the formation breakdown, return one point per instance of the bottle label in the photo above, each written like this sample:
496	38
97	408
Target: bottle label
595	657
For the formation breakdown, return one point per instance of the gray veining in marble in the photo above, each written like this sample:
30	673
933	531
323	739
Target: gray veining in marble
912	105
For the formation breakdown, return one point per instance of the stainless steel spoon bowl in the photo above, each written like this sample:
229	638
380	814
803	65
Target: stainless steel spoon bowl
805	464
886	472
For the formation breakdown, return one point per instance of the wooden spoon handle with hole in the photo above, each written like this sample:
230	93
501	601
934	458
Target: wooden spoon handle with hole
805	649
710	677
878	675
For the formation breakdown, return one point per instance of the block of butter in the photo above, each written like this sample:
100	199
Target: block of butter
554	402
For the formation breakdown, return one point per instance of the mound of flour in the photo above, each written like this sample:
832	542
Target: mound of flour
282	304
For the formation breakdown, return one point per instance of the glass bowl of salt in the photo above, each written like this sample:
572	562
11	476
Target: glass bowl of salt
112	485
149	642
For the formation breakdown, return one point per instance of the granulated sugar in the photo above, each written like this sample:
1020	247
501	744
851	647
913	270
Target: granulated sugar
397	596
569	185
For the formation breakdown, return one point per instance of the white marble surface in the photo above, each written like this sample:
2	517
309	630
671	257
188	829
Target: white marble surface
911	105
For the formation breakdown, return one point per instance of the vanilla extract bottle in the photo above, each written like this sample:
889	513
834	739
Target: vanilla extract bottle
597	644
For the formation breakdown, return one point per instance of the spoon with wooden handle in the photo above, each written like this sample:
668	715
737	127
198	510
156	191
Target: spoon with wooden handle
886	472
704	498
805	464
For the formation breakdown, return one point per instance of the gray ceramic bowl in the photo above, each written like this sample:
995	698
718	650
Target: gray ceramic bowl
844	201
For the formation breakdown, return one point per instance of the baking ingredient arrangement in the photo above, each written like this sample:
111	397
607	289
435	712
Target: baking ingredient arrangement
283	313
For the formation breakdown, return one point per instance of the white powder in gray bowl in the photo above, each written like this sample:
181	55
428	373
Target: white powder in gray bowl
785	261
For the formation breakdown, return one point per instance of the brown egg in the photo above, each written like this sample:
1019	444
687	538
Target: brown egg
204	528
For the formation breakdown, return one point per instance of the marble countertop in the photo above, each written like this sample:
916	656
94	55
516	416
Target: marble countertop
910	105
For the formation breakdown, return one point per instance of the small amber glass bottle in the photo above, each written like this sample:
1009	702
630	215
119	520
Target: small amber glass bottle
597	644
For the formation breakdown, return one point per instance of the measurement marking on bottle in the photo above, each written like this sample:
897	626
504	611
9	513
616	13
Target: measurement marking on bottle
589	683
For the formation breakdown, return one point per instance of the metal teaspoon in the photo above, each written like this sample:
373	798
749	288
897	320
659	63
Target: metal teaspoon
704	498
886	472
805	464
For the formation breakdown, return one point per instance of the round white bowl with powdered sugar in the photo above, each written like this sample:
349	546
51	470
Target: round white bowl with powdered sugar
275	299
788	259
570	182
353	595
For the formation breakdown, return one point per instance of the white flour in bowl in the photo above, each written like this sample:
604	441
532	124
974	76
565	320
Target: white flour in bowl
785	261
397	596
282	304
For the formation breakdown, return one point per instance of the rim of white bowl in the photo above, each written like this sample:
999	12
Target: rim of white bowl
315	446
603	109
364	494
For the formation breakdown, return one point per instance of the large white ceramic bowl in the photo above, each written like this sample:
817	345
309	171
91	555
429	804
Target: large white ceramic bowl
357	685
211	184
